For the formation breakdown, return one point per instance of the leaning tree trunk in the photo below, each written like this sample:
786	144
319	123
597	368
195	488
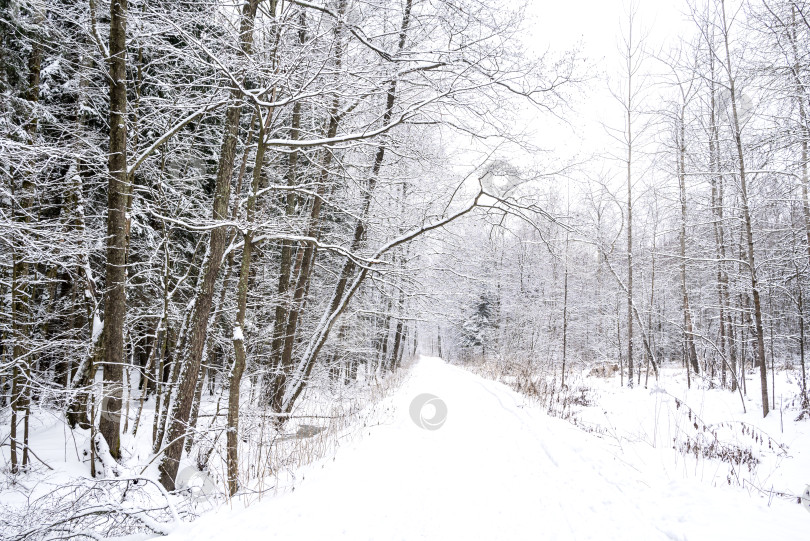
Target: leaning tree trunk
285	336
749	235
303	268
283	398
216	248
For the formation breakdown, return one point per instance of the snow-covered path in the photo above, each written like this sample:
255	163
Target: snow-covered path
497	469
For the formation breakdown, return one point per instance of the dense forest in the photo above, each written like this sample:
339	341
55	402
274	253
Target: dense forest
213	212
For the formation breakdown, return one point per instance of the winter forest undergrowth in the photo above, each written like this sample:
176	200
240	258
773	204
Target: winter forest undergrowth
232	232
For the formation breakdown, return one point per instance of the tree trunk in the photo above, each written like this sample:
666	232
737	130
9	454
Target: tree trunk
285	268
749	235
21	291
396	351
805	134
689	341
800	310
240	356
565	315
202	308
115	299
359	231
629	221
304	262
725	323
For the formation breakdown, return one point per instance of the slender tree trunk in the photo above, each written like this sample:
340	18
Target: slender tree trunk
240	355
385	331
803	127
725	323
195	407
565	315
303	270
800	310
285	269
746	322
619	342
689	341
629	223
162	338
21	291
398	339
650	333
749	235
21	371
202	308
305	258
359	233
79	381
403	346
805	136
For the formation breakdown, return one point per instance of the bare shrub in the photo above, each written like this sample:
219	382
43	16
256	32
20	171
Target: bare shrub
720	441
88	509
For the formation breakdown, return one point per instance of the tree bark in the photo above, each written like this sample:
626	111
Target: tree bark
359	233
240	355
689	341
306	254
115	299
285	268
749	235
216	248
21	295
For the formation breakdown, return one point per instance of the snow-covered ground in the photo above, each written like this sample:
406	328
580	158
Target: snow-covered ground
727	445
499	467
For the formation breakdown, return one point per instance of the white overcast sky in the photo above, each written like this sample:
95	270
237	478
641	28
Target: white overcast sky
597	22
595	26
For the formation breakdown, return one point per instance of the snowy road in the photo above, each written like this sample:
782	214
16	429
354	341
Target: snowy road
497	469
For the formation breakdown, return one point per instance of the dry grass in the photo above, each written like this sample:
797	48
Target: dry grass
328	414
